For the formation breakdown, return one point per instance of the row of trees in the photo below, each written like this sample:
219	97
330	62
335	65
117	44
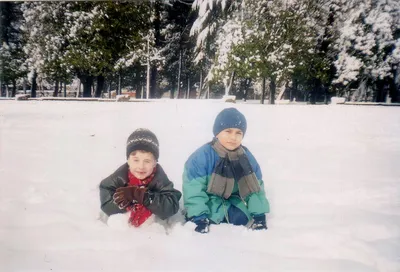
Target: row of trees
294	49
315	48
101	43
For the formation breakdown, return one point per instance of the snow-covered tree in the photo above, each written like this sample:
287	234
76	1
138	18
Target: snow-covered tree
368	45
102	33
46	39
166	46
82	38
212	16
265	39
150	52
178	47
314	69
11	42
254	39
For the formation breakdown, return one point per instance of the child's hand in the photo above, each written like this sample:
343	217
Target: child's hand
202	223
124	196
259	222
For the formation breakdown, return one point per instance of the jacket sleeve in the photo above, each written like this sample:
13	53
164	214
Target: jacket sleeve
107	190
195	181
257	203
162	199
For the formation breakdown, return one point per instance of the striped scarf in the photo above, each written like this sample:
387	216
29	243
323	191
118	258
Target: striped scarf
232	166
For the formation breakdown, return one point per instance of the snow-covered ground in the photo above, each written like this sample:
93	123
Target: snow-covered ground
332	176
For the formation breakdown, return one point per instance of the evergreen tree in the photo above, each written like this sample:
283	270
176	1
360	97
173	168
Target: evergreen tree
178	47
83	38
369	46
11	43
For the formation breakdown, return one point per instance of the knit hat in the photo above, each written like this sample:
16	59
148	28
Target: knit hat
229	118
142	139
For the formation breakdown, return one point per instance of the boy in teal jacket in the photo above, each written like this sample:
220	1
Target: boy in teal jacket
222	181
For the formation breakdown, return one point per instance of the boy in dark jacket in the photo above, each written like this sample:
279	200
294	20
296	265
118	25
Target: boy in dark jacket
222	181
140	186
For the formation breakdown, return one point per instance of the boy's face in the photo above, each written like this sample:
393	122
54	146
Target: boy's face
141	164
230	138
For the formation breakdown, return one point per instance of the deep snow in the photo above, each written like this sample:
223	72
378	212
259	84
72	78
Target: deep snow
332	176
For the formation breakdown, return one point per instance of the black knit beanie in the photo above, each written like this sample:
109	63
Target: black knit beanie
142	139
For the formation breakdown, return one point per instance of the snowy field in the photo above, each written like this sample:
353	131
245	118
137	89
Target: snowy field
332	176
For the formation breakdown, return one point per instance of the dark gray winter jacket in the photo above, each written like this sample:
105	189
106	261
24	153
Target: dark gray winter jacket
162	199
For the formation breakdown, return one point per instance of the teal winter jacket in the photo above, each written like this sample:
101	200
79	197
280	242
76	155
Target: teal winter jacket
197	173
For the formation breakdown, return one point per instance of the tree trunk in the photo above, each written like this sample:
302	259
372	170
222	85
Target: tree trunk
79	89
87	82
93	91
87	87
55	93
272	90
314	92
263	91
179	73
281	92
34	85
326	95
148	76
172	91
137	88
119	84
188	89
201	82
153	82
24	85
382	88
246	88
395	86
293	90
228	88
14	89
394	90
157	41
65	89
100	85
